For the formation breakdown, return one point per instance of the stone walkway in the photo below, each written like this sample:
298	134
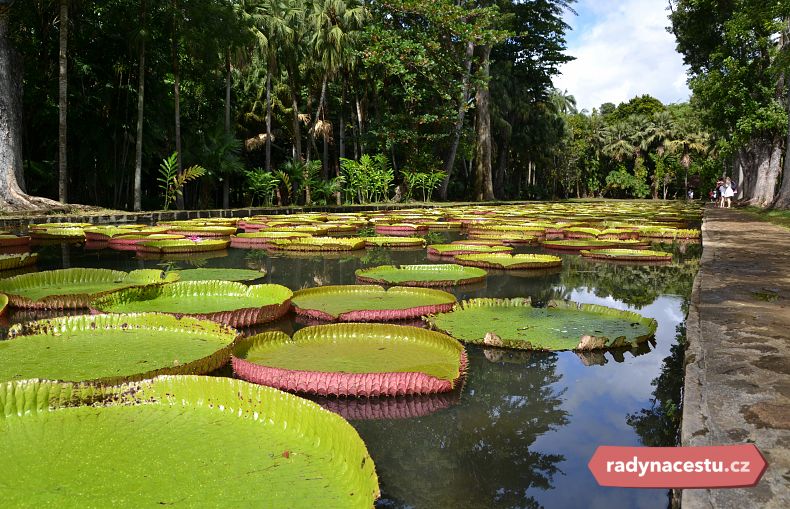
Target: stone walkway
737	387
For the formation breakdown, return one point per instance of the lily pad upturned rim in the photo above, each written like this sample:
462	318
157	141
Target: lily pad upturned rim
627	255
331	438
182	246
363	315
392	241
220	274
14	285
17	261
3	303
507	261
14	240
155	322
243	316
449	250
586	342
319	244
462	275
351	383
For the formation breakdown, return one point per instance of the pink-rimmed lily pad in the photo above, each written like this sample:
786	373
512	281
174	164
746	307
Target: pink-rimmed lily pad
353	359
74	288
506	261
262	238
14	240
457	249
319	244
629	255
437	275
389	241
369	303
227	302
399	229
182	246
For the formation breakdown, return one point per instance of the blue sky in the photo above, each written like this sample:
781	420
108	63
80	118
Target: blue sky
622	49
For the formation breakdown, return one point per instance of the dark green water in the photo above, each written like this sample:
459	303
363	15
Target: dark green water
521	430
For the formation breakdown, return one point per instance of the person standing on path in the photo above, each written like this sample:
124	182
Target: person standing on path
720	185
728	193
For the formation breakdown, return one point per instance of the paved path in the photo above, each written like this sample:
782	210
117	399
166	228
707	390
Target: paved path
737	387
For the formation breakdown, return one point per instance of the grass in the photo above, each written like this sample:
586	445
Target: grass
780	217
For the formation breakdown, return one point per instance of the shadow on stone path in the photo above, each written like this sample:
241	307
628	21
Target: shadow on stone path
737	387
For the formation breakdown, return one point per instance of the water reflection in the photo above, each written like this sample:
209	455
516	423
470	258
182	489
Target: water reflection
397	407
480	452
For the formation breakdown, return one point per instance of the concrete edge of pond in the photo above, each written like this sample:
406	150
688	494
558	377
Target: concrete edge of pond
737	357
119	216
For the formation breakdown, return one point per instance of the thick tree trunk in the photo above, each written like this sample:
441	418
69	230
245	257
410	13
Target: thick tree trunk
318	117
501	166
484	189
359	124
768	155
63	176
138	145
341	147
226	178
459	123
782	200
12	183
296	128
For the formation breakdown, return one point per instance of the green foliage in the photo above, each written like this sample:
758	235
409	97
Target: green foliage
262	184
171	183
625	182
369	179
426	182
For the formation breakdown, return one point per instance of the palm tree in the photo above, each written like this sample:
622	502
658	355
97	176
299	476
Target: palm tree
334	33
562	101
687	144
661	129
618	144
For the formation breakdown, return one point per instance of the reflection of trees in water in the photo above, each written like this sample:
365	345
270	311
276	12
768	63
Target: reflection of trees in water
588	358
635	285
477	453
659	425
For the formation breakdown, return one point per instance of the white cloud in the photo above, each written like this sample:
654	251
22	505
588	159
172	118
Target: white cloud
622	49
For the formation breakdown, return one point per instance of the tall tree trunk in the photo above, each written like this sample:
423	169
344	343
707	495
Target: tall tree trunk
319	116
63	176
782	200
138	145
177	101
484	189
360	123
297	152
226	178
501	166
459	122
269	120
12	182
341	125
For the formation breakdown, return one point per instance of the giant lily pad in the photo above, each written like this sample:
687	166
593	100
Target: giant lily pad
259	238
204	274
111	349
421	275
355	359
579	244
17	261
3	303
74	288
508	261
227	302
202	231
14	240
562	325
182	246
319	244
369	303
457	249
386	241
641	255
178	440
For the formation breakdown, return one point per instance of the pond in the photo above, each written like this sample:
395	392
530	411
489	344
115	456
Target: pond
520	431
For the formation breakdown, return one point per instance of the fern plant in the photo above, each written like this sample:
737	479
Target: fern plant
262	184
171	183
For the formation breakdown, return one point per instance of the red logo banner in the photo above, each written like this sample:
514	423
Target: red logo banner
723	466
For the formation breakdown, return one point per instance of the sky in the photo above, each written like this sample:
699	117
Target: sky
622	50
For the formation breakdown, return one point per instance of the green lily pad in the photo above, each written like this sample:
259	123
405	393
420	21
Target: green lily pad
562	325
508	261
356	359
628	255
74	288
385	241
204	274
202	231
421	275
17	261
319	244
113	348
350	303
178	440
3	303
456	249
228	302
182	246
579	244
